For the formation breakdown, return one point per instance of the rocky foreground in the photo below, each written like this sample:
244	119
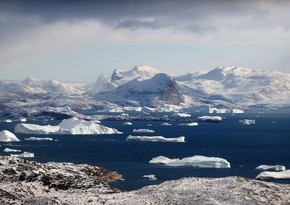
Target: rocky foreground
28	182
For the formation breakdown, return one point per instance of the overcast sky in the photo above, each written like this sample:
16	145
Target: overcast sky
70	40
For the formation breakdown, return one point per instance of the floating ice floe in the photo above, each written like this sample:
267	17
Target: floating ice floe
72	126
150	177
274	175
143	130
272	167
7	136
23	155
11	150
39	139
181	115
210	118
247	122
195	161
23	120
165	124
191	124
7	120
155	139
127	123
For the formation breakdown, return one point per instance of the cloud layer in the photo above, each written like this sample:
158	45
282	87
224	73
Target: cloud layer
38	29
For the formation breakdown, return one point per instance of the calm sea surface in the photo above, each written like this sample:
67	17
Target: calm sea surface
244	146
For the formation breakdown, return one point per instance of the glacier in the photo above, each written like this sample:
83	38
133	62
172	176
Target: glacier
194	161
7	136
72	126
155	139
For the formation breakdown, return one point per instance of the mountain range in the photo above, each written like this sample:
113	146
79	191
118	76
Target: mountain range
224	87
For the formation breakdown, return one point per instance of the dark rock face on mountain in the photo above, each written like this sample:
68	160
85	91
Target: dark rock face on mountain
171	94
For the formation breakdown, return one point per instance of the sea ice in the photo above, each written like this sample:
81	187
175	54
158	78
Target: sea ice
150	177
272	167
11	150
23	155
189	124
210	118
72	126
155	139
127	123
143	130
7	136
194	161
274	175
39	139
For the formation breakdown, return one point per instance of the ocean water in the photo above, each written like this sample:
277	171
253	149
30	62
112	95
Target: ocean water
244	146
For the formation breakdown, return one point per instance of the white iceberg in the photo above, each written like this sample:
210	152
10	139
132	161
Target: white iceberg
155	139
72	126
23	120
191	124
272	167
247	122
7	120
179	114
11	150
165	124
7	136
23	155
150	177
210	118
195	161
274	175
143	130
127	123
39	139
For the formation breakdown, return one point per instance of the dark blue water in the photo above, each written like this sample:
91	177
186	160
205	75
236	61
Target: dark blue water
245	147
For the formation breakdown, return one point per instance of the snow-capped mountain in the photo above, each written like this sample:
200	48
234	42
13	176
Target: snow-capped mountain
120	77
144	91
224	87
238	86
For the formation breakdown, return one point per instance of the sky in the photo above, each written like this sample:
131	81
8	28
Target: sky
76	41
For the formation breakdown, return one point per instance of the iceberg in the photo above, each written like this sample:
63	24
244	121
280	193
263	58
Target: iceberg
150	177
274	175
11	150
189	124
247	122
39	139
23	155
7	120
272	167
194	161
165	124
23	120
210	118
7	136
143	130
155	139
127	123
179	114
72	126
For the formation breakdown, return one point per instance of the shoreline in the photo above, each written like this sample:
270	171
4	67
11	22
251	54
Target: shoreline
30	182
